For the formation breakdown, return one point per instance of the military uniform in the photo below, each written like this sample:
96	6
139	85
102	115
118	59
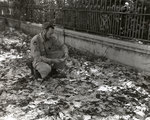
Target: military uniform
47	53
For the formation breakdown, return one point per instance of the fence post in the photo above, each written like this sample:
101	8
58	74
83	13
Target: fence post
63	9
149	32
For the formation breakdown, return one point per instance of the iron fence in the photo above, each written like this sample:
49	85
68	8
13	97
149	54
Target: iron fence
111	18
114	18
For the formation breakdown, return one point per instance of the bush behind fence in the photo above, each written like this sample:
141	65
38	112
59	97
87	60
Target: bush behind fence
116	18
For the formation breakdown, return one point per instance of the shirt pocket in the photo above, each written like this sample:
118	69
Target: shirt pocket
48	46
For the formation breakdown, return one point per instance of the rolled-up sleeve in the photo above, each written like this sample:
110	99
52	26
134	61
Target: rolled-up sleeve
36	52
35	49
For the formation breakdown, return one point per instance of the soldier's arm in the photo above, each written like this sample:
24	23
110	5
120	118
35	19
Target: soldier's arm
62	46
65	49
35	51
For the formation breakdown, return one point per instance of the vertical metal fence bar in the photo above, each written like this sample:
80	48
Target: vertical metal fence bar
111	19
119	24
109	24
142	18
139	21
75	15
128	25
64	14
113	22
86	16
137	26
110	3
99	22
84	21
91	22
136	5
124	29
95	21
101	3
140	24
115	17
105	8
96	16
149	32
87	21
80	20
73	19
133	27
143	24
77	19
133	21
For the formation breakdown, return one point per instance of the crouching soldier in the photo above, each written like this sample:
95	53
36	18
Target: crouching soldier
48	53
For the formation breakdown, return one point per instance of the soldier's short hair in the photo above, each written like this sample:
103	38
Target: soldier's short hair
48	25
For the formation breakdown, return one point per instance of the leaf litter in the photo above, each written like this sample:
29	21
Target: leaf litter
96	88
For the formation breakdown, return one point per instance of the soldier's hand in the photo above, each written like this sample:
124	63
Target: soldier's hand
57	60
66	56
62	59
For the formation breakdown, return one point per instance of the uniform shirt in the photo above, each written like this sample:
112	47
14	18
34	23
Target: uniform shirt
42	49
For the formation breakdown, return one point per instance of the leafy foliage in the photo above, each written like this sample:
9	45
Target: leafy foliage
21	8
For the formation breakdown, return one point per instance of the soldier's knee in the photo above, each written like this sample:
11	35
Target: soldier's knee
44	69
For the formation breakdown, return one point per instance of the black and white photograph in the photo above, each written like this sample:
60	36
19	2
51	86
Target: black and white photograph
74	59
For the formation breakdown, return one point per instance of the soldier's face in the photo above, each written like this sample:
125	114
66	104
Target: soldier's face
50	31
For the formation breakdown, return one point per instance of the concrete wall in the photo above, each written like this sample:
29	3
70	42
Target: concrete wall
132	54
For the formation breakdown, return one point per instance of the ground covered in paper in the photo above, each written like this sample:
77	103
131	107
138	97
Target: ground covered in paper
96	88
